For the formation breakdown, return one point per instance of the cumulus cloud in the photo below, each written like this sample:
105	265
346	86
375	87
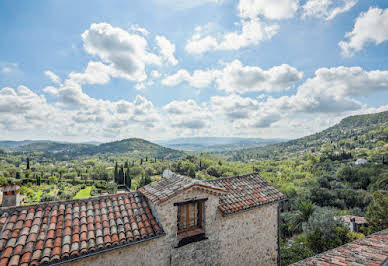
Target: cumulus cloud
187	115
326	9
332	90
370	27
53	77
253	31
280	9
137	28
155	74
245	111
126	54
199	78
167	49
236	78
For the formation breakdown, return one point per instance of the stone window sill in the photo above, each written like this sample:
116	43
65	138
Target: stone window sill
191	237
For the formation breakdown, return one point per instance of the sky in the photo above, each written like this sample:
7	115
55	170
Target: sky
160	69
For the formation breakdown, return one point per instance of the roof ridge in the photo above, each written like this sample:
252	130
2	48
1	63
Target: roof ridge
235	176
49	203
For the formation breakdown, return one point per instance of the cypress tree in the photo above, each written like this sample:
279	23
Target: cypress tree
121	176
116	173
28	163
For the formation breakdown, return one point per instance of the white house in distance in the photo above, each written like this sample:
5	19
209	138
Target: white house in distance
174	221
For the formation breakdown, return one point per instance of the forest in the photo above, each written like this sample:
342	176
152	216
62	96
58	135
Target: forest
342	170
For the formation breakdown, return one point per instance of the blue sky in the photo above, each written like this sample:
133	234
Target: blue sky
170	68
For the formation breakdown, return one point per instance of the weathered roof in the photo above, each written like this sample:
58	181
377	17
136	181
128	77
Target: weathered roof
370	250
357	219
167	187
10	187
245	192
58	231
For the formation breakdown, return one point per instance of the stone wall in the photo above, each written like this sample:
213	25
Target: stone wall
11	200
144	253
247	238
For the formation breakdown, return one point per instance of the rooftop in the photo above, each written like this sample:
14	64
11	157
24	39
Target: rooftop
58	231
10	187
245	192
370	250
357	219
173	184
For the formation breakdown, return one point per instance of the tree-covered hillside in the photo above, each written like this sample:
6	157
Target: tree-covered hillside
137	148
352	133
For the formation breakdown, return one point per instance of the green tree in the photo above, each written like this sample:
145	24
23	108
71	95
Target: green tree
116	173
52	180
301	215
377	214
294	253
28	163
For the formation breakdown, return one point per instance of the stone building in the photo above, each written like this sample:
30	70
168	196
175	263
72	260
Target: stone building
174	221
354	223
11	195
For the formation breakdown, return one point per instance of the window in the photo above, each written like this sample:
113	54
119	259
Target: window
190	221
190	216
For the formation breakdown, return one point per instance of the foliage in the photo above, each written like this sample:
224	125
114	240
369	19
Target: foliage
301	215
377	214
294	253
83	193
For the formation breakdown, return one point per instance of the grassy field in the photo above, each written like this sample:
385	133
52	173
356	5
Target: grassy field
83	193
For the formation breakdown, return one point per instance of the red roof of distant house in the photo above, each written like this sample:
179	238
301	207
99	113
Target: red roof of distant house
57	231
357	219
370	250
245	192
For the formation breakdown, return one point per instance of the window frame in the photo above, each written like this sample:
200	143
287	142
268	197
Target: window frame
198	229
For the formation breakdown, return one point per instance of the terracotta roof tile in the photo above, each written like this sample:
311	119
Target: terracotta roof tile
245	192
54	231
370	250
167	187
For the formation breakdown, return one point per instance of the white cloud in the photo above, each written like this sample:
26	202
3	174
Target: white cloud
53	77
140	86
253	31
370	27
245	111
280	9
187	115
167	49
95	73
332	90
51	90
236	78
326	9
127	54
155	74
137	28
7	68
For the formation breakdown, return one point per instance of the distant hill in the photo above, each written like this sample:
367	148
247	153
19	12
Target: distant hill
136	147
360	131
215	144
140	146
6	144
